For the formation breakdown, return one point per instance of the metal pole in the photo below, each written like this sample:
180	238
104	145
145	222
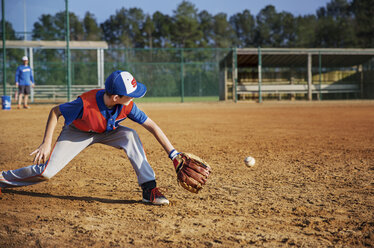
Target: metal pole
259	75
361	70
98	67
320	74
309	76
68	71
31	59
24	24
182	76
4	48
235	74
102	67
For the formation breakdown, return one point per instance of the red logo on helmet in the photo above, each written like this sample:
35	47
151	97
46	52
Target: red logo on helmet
133	82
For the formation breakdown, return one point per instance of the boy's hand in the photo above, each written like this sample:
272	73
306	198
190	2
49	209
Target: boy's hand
42	153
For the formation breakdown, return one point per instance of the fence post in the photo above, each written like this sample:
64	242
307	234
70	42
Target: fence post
68	50
182	76
320	74
259	75
31	59
309	76
98	55
102	68
235	72
4	48
361	70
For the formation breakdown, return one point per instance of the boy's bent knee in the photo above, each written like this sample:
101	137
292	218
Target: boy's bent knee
45	176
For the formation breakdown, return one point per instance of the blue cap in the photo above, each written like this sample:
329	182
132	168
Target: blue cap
124	84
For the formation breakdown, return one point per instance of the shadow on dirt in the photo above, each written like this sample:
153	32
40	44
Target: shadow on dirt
71	198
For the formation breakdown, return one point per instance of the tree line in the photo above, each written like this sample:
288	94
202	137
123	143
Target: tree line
339	24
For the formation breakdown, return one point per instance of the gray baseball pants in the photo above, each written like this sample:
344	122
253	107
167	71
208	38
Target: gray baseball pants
71	142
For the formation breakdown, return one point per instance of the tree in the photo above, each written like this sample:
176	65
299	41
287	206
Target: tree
244	28
91	29
363	11
124	28
305	31
13	56
10	33
148	30
275	29
185	29
115	29
45	29
162	33
206	27
50	64
223	33
53	27
288	26
268	28
335	25
136	20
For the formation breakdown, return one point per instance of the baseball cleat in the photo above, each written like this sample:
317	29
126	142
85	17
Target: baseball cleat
154	196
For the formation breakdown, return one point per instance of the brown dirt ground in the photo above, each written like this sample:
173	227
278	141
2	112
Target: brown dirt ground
312	185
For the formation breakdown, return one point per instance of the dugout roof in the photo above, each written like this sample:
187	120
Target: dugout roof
285	57
55	44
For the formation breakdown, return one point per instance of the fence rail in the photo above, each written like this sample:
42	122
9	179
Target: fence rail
54	92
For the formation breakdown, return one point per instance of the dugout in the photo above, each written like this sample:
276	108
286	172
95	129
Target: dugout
282	73
99	46
54	91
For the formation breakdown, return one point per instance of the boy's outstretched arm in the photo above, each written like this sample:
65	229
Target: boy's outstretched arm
42	153
192	171
152	127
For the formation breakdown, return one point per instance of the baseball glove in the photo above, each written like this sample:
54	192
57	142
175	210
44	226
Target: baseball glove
192	171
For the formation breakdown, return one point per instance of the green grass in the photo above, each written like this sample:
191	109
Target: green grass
179	99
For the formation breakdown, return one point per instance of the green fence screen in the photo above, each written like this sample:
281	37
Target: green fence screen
169	74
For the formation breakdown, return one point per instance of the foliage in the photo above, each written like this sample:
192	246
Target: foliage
363	12
185	27
339	24
13	56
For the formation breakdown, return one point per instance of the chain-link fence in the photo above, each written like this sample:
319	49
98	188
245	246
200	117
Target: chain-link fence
169	74
198	74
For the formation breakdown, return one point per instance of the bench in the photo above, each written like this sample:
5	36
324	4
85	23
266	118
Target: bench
60	92
297	88
54	92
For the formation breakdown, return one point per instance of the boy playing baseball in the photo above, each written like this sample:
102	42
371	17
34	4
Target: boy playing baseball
94	117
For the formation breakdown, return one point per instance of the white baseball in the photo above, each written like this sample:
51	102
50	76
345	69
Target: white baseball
249	161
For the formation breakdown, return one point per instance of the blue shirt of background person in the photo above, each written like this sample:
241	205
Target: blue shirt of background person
24	75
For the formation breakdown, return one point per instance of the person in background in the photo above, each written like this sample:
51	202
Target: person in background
24	82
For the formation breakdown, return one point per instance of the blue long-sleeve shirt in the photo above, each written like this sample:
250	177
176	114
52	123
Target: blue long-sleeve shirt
24	75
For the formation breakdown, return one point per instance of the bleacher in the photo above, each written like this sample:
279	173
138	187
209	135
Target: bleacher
298	88
53	92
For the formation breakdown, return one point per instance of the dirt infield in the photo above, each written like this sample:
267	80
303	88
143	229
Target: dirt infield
312	185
